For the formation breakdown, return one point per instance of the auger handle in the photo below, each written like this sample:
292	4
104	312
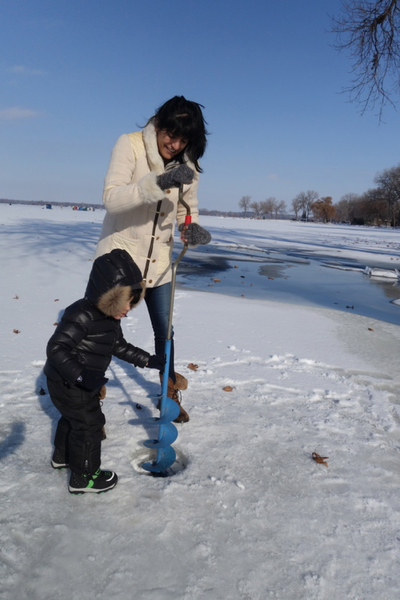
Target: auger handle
188	218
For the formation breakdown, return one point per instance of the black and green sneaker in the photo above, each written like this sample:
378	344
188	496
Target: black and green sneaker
100	481
59	461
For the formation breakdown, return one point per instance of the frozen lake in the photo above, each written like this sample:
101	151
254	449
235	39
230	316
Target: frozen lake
294	274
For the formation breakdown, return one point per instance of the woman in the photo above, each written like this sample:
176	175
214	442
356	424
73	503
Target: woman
141	198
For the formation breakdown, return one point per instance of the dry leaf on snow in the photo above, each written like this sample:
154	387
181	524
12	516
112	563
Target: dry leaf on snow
192	367
320	459
228	388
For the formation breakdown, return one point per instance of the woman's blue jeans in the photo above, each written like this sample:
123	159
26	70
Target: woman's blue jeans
158	301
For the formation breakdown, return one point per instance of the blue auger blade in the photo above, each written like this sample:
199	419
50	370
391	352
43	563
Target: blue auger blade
170	413
167	435
169	410
165	458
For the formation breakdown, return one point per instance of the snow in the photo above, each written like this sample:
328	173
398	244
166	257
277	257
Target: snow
249	515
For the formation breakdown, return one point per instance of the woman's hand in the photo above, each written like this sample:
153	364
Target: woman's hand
175	177
193	234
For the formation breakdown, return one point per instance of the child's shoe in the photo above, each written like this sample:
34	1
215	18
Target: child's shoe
100	481
58	461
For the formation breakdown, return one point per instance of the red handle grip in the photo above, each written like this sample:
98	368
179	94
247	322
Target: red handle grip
188	220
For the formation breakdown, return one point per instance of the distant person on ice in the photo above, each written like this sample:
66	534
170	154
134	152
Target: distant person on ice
141	198
78	355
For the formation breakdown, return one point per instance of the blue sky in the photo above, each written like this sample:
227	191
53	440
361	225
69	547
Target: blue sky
76	74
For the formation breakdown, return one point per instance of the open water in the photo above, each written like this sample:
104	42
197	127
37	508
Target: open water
293	277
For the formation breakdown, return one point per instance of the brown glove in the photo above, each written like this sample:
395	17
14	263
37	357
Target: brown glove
102	392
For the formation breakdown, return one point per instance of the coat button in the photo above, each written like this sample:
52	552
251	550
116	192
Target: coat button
150	281
162	214
167	191
154	260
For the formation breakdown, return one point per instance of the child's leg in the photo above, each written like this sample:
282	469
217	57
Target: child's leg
82	411
60	458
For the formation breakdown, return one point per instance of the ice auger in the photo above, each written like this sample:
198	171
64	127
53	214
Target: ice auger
169	409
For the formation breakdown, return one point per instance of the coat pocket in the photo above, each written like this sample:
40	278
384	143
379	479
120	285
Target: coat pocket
124	243
164	258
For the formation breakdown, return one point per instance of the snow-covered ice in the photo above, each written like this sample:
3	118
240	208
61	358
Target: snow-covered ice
385	273
251	516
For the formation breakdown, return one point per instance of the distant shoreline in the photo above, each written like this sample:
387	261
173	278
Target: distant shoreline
43	203
202	211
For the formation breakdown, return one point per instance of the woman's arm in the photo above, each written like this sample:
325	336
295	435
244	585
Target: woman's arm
120	194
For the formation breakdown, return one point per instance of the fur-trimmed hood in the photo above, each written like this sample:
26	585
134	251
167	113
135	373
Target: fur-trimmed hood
112	280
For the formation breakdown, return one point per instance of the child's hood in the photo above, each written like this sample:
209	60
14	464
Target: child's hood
111	281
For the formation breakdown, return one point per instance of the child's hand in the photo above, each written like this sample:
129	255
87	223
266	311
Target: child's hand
156	361
91	380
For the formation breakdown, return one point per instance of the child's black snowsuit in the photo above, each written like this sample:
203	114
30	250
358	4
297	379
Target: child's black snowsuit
79	353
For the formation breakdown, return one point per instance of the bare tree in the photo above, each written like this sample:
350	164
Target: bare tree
267	206
279	208
296	205
244	203
389	188
305	199
369	31
345	206
372	208
255	206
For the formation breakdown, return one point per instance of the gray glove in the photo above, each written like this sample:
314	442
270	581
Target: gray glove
174	177
194	234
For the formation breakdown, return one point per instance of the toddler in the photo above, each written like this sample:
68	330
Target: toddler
78	355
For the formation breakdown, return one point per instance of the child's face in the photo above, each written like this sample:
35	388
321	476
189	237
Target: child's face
125	312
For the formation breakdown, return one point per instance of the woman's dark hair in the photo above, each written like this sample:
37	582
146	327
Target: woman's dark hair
184	118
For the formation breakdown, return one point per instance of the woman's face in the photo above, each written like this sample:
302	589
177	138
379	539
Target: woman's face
169	144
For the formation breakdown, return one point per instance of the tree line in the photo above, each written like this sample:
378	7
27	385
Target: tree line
378	206
270	206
